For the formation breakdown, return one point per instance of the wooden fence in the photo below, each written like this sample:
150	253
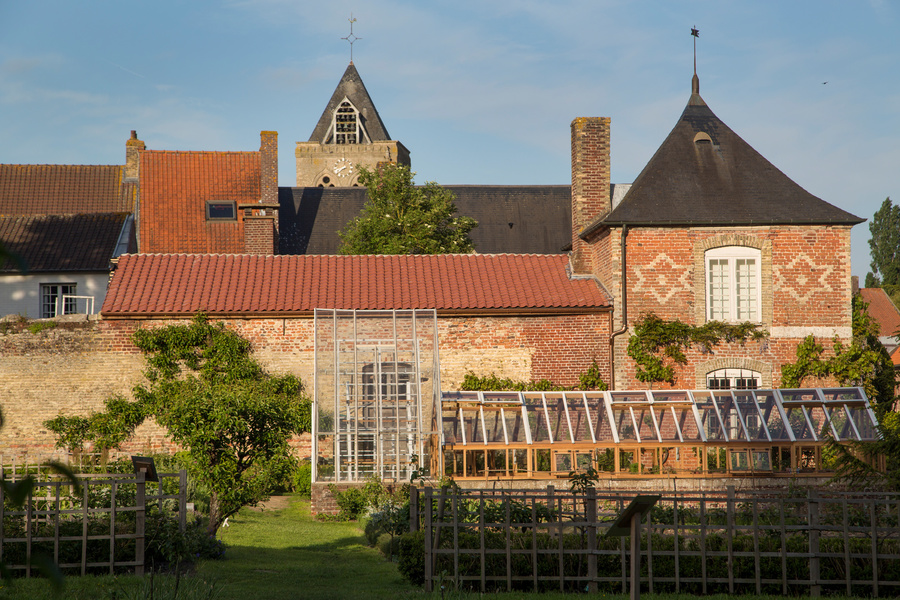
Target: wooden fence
695	543
107	518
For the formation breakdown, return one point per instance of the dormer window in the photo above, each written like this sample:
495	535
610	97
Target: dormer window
346	126
221	211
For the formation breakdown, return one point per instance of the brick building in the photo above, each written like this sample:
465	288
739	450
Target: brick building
708	230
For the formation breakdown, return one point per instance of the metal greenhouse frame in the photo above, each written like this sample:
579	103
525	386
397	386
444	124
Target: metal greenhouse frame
376	388
535	435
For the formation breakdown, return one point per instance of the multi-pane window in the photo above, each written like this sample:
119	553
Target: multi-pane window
732	284
733	379
52	301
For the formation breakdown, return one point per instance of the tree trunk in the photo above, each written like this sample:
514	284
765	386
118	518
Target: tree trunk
214	515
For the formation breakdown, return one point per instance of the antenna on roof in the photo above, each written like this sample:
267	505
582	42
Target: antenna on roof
695	81
351	38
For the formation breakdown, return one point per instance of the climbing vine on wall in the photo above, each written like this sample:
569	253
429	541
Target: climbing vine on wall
657	345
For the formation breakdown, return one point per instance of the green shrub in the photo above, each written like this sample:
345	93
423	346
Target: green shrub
39	326
303	479
411	553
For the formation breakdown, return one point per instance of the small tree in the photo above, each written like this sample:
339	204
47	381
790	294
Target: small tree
884	249
233	419
401	218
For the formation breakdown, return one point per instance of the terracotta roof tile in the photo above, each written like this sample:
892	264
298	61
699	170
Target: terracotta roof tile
175	187
64	189
882	310
176	284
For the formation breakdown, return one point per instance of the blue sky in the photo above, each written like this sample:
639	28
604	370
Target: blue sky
480	91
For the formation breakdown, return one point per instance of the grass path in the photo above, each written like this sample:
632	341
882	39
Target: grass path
280	554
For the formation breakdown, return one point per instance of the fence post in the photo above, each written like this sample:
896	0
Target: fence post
413	509
590	516
815	589
140	522
730	528
182	499
429	555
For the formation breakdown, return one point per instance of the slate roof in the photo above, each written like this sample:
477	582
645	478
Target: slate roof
64	189
83	242
722	181
175	187
351	87
182	284
519	219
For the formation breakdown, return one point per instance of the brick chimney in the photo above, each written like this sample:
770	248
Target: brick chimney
133	148
590	183
261	218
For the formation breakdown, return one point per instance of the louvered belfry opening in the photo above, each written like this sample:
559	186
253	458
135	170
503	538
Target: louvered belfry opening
376	390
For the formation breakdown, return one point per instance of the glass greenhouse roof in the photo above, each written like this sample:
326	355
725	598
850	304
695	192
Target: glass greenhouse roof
720	417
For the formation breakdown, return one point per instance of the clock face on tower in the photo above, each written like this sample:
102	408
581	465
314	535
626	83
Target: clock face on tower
342	168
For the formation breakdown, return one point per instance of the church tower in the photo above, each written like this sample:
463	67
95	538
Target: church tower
349	134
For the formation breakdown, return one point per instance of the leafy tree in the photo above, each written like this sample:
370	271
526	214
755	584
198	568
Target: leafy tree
884	249
232	418
401	218
863	362
658	345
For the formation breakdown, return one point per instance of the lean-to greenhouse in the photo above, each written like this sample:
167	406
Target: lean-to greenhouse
380	412
701	432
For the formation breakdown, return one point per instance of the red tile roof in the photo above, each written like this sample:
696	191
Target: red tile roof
182	284
64	189
175	187
882	310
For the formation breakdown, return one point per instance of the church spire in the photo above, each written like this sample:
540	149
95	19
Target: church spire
351	38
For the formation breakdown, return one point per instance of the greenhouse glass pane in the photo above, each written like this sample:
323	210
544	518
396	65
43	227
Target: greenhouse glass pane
628	397
579	419
797	420
708	417
515	428
772	417
841	394
730	416
668	430
688	424
556	409
451	426
762	461
602	426
755	425
860	416
624	424
472	425
494	425
842	425
670	396
537	422
819	419
645	424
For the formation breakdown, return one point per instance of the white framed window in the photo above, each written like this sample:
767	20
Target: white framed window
346	126
52	303
733	379
732	284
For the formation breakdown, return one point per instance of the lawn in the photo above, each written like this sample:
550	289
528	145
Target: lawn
282	554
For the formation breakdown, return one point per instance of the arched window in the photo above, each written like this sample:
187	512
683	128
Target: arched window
733	284
346	126
733	379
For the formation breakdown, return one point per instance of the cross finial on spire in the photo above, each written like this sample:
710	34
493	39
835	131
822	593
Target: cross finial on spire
351	38
695	81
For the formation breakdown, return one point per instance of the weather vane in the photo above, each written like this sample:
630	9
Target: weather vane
694	32
351	38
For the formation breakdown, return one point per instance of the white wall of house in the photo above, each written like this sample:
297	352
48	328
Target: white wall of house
21	294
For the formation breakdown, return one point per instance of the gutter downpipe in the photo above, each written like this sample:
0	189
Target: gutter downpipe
615	334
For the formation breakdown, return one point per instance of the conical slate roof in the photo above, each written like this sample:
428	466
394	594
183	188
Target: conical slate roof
705	174
351	87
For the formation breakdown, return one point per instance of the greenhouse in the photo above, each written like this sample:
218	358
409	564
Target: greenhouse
536	435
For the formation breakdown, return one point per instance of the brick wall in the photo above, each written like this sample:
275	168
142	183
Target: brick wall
805	289
72	371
